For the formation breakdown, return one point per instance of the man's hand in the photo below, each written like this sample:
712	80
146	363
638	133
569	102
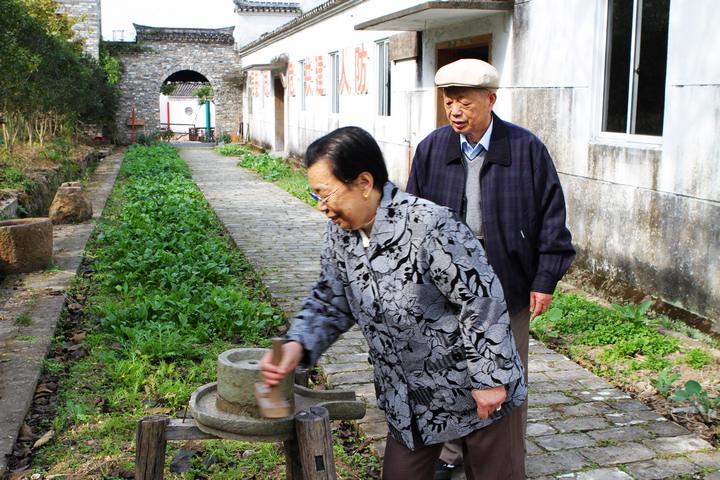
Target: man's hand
539	303
489	400
292	353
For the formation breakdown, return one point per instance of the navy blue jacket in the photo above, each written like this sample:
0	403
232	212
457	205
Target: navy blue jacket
523	206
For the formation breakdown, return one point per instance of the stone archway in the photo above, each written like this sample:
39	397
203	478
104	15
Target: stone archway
209	52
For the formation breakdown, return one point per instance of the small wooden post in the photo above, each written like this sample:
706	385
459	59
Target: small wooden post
150	443
312	430
302	377
293	469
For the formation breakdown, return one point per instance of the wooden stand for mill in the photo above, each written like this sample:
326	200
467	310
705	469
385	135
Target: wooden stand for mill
305	433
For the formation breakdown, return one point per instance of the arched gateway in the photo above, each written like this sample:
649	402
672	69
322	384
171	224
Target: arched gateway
209	52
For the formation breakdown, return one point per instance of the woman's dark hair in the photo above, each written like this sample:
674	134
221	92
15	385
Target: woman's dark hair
350	151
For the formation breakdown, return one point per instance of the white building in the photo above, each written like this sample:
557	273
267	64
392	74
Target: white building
637	149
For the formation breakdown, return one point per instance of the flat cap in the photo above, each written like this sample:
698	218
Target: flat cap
467	72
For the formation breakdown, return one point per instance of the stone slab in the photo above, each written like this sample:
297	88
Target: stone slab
554	462
618	454
677	445
661	468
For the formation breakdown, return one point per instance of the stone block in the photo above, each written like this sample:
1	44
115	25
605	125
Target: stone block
662	468
580	424
677	445
537	414
70	204
584	409
618	454
26	245
565	441
553	398
597	474
534	377
560	386
346	367
576	374
595	383
629	405
373	431
709	459
634	418
531	448
622	434
535	429
553	463
601	395
337	379
665	429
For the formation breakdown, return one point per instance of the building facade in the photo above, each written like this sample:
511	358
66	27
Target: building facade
625	94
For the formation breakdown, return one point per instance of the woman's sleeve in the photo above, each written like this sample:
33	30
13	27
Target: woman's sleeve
460	270
325	314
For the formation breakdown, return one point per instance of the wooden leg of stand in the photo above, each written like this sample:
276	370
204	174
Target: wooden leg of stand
150	443
315	443
293	469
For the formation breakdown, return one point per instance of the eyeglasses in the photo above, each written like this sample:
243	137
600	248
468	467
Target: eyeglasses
324	201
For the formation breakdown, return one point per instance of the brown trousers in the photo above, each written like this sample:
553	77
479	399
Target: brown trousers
452	451
496	452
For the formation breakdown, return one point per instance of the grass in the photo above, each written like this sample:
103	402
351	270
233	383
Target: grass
614	341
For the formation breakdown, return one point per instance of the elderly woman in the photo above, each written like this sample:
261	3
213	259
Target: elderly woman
416	281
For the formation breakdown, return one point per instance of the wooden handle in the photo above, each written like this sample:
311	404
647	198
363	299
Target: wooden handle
277	344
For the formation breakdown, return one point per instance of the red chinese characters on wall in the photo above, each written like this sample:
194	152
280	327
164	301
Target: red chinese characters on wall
361	58
291	79
319	75
267	75
308	76
254	84
343	85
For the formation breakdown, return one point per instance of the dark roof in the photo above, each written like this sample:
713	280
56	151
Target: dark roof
190	35
243	6
306	18
186	89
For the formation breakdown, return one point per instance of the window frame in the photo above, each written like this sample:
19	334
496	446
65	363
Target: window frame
633	82
384	78
334	82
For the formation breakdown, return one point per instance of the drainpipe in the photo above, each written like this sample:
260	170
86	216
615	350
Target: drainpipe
133	126
207	120
168	115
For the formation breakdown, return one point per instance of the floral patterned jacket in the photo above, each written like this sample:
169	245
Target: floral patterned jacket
431	309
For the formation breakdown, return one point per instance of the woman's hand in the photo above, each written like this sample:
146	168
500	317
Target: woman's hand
489	400
292	353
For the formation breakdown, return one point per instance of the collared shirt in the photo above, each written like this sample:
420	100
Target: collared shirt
484	142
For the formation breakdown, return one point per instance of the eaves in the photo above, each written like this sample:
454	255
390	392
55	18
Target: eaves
314	16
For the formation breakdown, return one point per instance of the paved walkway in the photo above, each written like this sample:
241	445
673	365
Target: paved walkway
580	427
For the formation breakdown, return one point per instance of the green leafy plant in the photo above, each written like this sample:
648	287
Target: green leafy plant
634	314
664	380
698	358
696	395
542	325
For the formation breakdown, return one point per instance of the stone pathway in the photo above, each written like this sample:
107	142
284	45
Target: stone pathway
580	427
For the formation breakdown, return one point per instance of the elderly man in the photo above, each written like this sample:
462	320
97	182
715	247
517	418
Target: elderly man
501	180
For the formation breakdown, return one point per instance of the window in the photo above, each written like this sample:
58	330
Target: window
383	49
302	85
635	66
334	83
